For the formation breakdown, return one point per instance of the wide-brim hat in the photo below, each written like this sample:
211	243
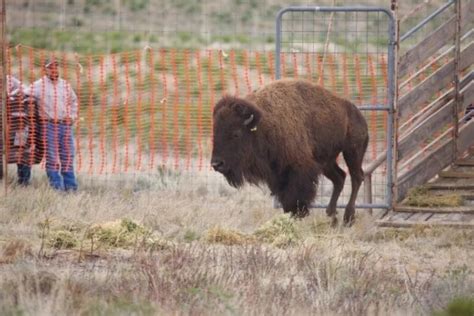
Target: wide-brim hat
50	62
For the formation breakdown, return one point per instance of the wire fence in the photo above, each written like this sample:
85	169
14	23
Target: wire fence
145	106
145	109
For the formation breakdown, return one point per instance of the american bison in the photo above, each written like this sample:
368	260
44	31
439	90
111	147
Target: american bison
285	135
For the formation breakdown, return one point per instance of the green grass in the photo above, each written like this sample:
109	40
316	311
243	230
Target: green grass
82	42
461	306
85	42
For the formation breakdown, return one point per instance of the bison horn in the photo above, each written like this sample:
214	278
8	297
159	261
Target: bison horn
249	120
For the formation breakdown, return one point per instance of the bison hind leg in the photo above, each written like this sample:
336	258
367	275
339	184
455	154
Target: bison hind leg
354	163
337	176
298	193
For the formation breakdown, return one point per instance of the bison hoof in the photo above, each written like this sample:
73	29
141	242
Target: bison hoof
331	212
300	214
348	222
334	222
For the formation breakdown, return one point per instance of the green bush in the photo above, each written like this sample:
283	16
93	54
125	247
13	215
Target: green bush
460	306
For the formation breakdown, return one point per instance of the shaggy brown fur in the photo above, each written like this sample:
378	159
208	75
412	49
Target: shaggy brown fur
285	135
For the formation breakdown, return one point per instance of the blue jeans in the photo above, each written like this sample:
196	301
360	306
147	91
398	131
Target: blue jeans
60	156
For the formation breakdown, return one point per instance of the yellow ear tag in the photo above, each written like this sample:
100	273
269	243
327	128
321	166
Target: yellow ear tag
253	129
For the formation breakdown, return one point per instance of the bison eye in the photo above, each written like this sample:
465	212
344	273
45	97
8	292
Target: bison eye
236	134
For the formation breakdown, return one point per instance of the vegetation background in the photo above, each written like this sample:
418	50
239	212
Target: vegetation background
87	26
169	244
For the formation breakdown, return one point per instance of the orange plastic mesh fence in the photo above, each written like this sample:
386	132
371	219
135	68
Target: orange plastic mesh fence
143	110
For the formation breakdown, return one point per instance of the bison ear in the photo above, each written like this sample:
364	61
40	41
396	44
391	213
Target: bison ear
250	115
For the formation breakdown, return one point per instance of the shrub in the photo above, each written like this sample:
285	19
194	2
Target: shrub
461	306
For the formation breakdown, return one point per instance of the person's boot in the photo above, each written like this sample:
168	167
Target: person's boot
70	183
55	180
24	174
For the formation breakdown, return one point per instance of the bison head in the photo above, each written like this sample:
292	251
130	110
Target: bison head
235	126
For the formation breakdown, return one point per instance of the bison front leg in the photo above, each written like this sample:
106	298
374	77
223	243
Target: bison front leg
296	193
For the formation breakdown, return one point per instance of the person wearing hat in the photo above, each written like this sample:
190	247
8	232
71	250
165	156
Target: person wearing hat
15	87
58	108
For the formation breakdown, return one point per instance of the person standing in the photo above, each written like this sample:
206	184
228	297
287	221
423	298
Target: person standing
58	110
15	87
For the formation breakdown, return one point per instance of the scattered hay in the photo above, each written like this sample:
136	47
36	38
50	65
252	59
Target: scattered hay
14	250
228	237
59	235
281	231
154	243
422	197
389	234
444	236
120	233
62	239
319	225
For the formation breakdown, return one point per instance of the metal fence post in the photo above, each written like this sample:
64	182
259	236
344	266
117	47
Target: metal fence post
368	191
395	115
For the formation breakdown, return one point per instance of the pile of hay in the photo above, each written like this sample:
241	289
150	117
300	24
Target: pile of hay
280	232
422	197
63	239
122	233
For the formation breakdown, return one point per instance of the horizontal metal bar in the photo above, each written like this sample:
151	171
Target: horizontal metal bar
374	107
363	205
333	9
277	204
426	20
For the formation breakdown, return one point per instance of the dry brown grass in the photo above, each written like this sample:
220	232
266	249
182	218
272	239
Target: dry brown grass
183	250
14	250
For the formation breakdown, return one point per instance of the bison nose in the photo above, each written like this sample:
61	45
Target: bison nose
217	164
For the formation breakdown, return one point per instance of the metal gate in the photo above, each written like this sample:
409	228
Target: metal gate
350	51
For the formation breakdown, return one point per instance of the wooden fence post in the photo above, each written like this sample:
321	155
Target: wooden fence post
3	87
456	78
